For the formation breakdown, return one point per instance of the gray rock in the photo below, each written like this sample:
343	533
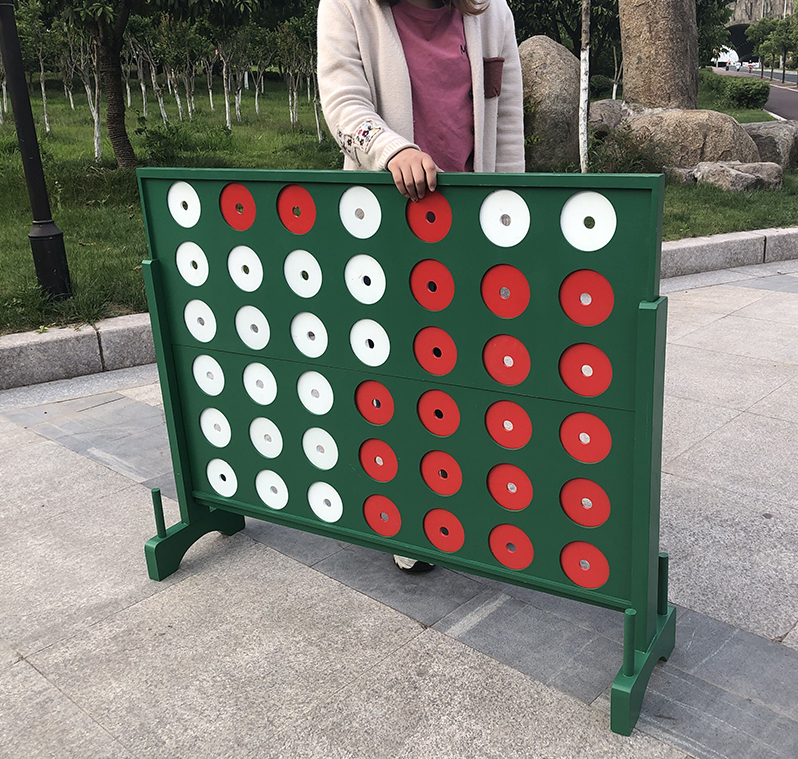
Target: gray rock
126	341
777	141
770	174
606	115
679	176
733	175
551	104
691	137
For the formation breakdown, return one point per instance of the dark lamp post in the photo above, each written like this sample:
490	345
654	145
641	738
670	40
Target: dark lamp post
46	239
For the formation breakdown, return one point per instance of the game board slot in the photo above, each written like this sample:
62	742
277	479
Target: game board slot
237	206
585	565
429	218
266	437
588	221
315	393
365	279
260	384
252	327
510	487
586	297
441	473
378	460
585	502
296	209
435	351
215	427
504	218
302	273
272	489
222	478
508	424
208	375
360	212
192	263
200	321
432	284
511	546
585	437
325	502
444	530
309	334
184	204
320	448
369	342
506	360
245	268
439	413
382	515
505	291
374	402
585	369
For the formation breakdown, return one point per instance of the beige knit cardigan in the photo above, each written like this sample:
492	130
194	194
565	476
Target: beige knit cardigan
365	85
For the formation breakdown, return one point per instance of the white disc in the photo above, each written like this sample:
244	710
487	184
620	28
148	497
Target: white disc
302	273
588	221
222	477
325	502
192	263
309	334
252	327
245	268
265	436
365	279
215	427
184	204
260	384
200	320
360	212
208	375
370	342
320	448
504	218
272	489
315	392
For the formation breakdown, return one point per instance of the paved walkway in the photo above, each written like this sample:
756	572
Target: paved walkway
275	643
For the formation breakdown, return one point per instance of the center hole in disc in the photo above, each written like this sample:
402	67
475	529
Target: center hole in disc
508	361
259	384
508	425
304	275
504	293
209	375
327	502
443	474
370	343
584	438
360	213
378	460
511	547
297	211
366	280
254	328
245	269
194	265
223	477
217	427
239	208
585	564
200	321
587	503
432	286
314	393
512	487
267	437
585	299
505	219
185	205
273	489
320	448
590	222
376	403
437	352
311	336
430	217
383	516
438	413
444	531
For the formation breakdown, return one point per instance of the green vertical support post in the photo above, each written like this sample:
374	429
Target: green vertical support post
662	593
157	507
629	642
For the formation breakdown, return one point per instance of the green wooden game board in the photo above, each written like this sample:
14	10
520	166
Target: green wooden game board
474	380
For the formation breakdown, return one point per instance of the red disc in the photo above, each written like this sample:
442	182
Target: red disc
432	285
586	297
296	209
441	472
382	515
435	351
378	460
374	402
585	502
505	291
585	565
585	437
508	424
511	546
430	218
506	359
438	413
510	487
444	530
585	369
238	206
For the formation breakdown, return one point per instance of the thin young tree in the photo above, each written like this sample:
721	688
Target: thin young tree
584	86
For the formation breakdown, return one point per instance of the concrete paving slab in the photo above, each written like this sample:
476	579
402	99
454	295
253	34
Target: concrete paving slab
544	646
734	556
165	482
150	394
218	664
769	268
306	547
718	379
438	698
37	721
684	319
786	283
735	335
791	639
687	422
780	307
126	341
8	655
425	596
12	436
782	403
721	299
702	279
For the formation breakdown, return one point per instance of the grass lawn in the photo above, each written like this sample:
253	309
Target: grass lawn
97	207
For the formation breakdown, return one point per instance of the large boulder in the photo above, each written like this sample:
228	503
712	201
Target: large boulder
777	141
733	175
691	137
606	115
551	104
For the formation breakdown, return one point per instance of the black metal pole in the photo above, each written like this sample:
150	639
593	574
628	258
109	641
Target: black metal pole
46	239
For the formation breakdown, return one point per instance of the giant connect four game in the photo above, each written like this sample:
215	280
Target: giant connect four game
474	379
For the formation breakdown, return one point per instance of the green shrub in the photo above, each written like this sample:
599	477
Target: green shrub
745	93
623	152
183	143
600	85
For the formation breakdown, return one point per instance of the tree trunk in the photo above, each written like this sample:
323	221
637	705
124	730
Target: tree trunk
140	65
584	85
319	133
257	93
226	87
158	93
175	90
44	95
5	97
127	88
98	145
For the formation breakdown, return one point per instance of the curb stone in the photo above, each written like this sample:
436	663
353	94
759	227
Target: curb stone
62	353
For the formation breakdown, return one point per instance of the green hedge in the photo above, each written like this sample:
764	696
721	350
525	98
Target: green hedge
735	92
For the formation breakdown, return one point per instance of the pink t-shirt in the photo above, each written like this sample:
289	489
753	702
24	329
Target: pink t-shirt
434	44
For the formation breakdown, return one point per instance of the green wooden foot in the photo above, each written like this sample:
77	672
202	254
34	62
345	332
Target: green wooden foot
165	552
630	683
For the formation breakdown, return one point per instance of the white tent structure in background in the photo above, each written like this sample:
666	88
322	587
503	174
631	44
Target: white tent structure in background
726	55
